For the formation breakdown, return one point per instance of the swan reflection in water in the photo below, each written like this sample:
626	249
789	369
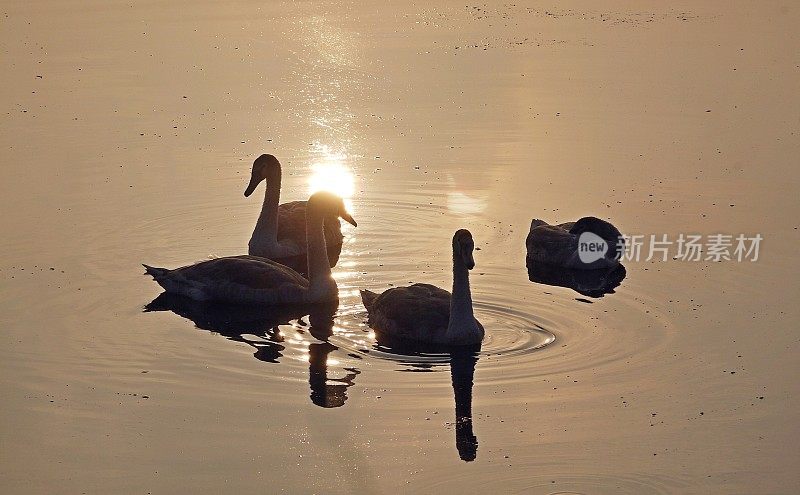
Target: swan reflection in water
463	360
323	393
462	372
259	327
590	283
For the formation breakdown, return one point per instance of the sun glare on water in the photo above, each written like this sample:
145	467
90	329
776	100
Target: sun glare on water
329	172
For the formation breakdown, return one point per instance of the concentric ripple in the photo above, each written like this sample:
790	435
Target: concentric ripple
511	334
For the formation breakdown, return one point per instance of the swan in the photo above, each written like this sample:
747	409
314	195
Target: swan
557	245
426	314
250	279
280	232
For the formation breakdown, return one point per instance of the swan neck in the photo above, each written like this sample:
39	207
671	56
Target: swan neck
319	269
461	301
267	224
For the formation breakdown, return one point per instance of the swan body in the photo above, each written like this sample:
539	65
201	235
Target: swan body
557	245
425	313
250	279
234	279
280	232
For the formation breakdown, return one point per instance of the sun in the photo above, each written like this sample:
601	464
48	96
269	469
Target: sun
329	172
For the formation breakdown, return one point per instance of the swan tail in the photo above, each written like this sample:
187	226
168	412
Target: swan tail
160	303
155	272
537	223
368	297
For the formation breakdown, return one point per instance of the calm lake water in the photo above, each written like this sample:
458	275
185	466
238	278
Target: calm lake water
128	134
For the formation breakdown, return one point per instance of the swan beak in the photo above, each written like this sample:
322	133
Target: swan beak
254	182
347	218
469	261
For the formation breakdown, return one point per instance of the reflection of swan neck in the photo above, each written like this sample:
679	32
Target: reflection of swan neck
462	369
267	224
324	394
319	269
318	372
461	315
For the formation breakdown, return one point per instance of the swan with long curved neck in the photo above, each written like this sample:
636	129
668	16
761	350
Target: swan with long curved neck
280	233
254	280
425	313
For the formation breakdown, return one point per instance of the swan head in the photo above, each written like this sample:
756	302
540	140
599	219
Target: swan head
265	167
326	203
463	246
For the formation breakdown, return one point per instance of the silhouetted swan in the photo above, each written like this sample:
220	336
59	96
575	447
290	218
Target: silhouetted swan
252	280
425	313
280	232
558	245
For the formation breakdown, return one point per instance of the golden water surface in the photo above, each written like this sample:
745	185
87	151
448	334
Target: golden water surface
128	132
